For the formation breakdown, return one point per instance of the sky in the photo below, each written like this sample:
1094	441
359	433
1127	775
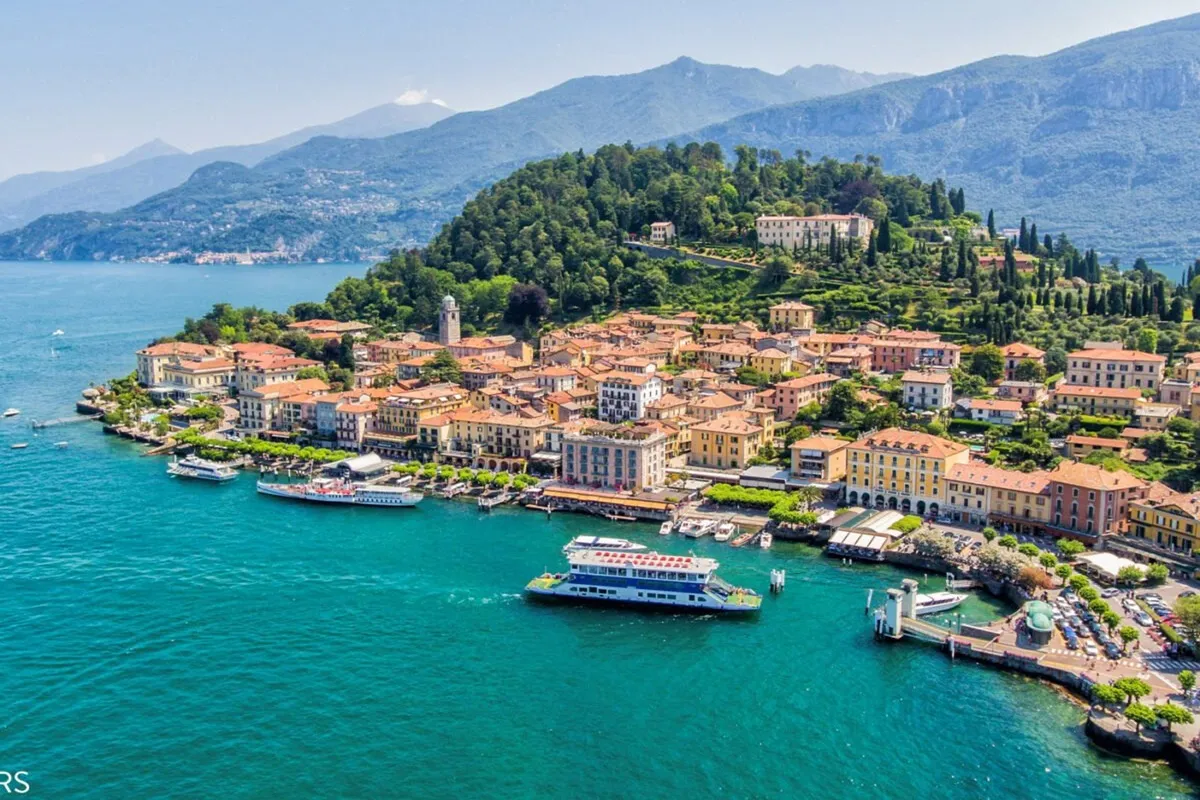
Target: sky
85	81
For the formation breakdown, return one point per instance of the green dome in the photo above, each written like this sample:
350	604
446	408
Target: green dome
1039	616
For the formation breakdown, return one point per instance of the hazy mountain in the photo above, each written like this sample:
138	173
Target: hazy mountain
157	166
333	197
1098	140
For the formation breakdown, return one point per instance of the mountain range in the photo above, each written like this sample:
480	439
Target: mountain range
157	166
349	197
1095	140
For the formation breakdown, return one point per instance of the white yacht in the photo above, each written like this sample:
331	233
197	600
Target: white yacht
601	543
10	412
938	602
765	541
195	467
698	528
725	531
336	490
665	529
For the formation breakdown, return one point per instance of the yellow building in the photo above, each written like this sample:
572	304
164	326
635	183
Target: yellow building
399	415
1170	520
492	439
901	469
819	458
791	315
727	442
1080	447
1096	400
771	361
982	495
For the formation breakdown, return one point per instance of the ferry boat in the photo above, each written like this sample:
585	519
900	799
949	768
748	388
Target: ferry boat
10	412
336	490
201	469
602	543
645	579
938	602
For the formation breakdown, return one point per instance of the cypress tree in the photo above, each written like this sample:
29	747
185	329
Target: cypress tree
884	242
962	259
944	273
1135	303
991	224
1196	307
902	216
1048	243
1160	298
871	250
1177	308
1058	299
1091	299
1023	238
1146	304
1033	240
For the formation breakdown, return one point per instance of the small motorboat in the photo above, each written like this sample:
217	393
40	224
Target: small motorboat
62	445
701	527
742	539
58	332
665	528
765	541
725	531
937	602
10	412
602	543
19	446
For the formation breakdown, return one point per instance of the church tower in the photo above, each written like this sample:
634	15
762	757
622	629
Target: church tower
448	322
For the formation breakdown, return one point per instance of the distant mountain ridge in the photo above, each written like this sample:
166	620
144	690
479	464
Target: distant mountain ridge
347	198
157	166
1097	140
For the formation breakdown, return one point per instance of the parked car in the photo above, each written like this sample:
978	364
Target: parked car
1085	633
1110	592
1188	593
1072	643
1112	651
1091	650
1068	631
1143	619
1150	596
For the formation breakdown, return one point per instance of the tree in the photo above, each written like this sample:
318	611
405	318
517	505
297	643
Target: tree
991	224
1128	634
1147	340
1140	715
442	368
989	533
1078	582
1107	695
1132	688
1070	547
1188	611
1008	542
777	269
1030	370
883	241
1129	575
1171	714
1088	594
1033	578
1187	679
988	362
1098	607
1063	571
1157	573
527	303
1111	619
1030	550
1049	561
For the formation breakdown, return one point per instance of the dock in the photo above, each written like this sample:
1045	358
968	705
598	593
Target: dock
488	503
50	423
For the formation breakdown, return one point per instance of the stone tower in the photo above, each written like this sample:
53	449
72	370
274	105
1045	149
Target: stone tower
448	321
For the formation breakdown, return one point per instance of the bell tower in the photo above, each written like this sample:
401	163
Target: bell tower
448	321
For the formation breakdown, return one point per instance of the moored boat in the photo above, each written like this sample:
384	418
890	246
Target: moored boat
19	446
700	527
765	541
938	602
602	543
201	469
741	539
725	531
665	528
645	579
334	490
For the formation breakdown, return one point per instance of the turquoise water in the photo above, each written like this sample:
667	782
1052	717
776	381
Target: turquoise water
168	638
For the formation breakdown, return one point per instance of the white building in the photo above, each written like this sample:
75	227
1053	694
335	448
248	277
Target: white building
800	232
662	232
625	395
926	390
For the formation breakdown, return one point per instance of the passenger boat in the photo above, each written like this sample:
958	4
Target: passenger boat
725	531
765	541
10	412
602	543
665	529
938	602
62	445
201	469
645	579
336	490
742	539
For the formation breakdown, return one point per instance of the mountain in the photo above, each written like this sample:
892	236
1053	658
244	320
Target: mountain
349	198
1097	140
157	166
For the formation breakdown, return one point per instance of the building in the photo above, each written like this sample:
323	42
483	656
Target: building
449	319
902	470
711	406
261	409
1096	400
846	361
625	396
792	315
329	328
1080	447
794	233
1017	352
792	395
819	458
1027	392
1154	416
897	353
984	495
1088	501
494	440
925	390
994	412
399	415
187	379
771	361
727	442
662	232
1176	392
1115	369
728	356
1169	520
253	372
152	359
620	457
351	422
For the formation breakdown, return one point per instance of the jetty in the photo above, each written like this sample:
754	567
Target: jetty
50	423
488	503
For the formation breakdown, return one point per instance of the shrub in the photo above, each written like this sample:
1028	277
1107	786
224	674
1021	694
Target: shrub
989	533
1008	542
1088	594
1156	573
907	524
1030	550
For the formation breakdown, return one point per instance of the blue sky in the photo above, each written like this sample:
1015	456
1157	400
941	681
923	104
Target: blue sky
86	80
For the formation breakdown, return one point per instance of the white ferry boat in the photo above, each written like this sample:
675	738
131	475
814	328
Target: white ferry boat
647	579
201	469
602	543
938	602
336	490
